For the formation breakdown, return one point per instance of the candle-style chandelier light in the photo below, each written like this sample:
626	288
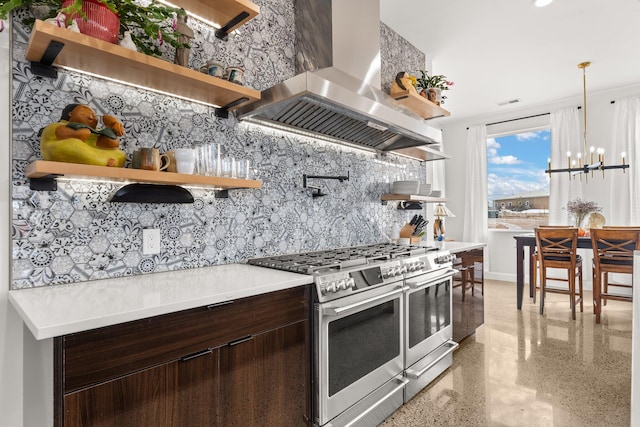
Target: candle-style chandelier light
582	164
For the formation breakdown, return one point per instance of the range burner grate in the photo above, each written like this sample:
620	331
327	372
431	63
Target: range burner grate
310	262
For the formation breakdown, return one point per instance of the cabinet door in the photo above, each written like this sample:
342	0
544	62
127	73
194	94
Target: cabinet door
180	393
264	379
468	314
139	399
195	401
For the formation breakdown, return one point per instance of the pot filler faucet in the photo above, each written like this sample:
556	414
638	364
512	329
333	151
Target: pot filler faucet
317	191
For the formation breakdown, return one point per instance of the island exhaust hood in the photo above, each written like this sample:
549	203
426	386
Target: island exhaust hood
337	96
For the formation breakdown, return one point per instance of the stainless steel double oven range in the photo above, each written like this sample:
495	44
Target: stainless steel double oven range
381	324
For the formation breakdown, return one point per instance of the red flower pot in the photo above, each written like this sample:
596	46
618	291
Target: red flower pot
101	23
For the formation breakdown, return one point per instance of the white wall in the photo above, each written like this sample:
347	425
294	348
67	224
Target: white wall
501	245
10	323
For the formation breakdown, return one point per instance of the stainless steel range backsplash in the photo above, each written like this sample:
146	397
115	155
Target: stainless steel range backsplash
75	234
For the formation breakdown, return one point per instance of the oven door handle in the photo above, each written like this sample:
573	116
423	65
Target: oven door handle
414	375
420	283
402	382
336	311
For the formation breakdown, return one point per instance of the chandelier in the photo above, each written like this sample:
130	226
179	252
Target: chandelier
585	161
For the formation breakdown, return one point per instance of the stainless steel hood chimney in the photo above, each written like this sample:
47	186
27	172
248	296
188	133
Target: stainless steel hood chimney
337	94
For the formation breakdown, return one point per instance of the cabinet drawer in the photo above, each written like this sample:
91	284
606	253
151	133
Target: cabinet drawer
99	355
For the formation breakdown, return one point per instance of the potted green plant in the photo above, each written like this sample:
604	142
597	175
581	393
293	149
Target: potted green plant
150	26
437	82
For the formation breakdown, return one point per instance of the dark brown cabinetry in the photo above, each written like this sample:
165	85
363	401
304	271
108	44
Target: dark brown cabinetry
468	293
261	379
246	363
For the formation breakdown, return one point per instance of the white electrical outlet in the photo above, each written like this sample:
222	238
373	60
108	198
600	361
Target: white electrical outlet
151	241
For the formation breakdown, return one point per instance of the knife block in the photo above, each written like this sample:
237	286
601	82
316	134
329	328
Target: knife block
407	232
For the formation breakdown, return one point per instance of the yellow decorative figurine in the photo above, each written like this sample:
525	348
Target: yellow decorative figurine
403	82
75	139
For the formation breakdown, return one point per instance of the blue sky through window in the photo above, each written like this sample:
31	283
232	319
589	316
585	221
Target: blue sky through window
516	164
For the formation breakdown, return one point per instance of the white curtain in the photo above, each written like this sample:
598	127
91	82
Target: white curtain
624	197
565	136
475	209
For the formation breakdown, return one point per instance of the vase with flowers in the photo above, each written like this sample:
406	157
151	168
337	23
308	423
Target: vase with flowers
431	87
579	210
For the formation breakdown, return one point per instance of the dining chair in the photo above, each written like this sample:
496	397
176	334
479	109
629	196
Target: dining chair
612	253
463	277
534	263
470	272
557	248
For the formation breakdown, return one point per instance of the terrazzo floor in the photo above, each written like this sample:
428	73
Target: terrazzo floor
523	369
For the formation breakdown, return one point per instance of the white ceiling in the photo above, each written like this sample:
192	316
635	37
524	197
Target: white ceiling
497	50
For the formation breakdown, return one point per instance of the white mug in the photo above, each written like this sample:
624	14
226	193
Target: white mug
185	160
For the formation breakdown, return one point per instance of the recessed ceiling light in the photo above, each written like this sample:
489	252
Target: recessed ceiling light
541	3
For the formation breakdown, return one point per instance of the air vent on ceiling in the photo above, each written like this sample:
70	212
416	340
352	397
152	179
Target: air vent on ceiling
510	101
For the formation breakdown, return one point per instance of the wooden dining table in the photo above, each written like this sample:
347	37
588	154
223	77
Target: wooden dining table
529	240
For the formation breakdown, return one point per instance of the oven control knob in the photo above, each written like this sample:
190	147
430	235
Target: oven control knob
387	273
341	284
331	287
350	283
445	258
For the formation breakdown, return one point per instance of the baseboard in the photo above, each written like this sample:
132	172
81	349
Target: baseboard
503	277
508	277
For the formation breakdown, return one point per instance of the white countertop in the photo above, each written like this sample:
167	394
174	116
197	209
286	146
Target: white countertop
52	311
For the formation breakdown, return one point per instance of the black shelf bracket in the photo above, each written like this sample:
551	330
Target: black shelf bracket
223	33
45	183
223	112
407	206
44	67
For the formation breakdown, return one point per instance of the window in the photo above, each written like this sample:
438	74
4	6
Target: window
516	181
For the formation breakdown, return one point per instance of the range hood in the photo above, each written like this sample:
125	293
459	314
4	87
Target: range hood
336	96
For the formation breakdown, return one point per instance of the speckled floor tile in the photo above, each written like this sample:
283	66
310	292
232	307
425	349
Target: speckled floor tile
523	369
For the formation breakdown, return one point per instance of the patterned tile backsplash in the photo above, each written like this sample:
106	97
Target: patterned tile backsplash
76	234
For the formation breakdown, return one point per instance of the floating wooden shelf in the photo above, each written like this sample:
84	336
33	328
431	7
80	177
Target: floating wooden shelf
412	198
424	153
420	105
227	14
43	168
92	55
